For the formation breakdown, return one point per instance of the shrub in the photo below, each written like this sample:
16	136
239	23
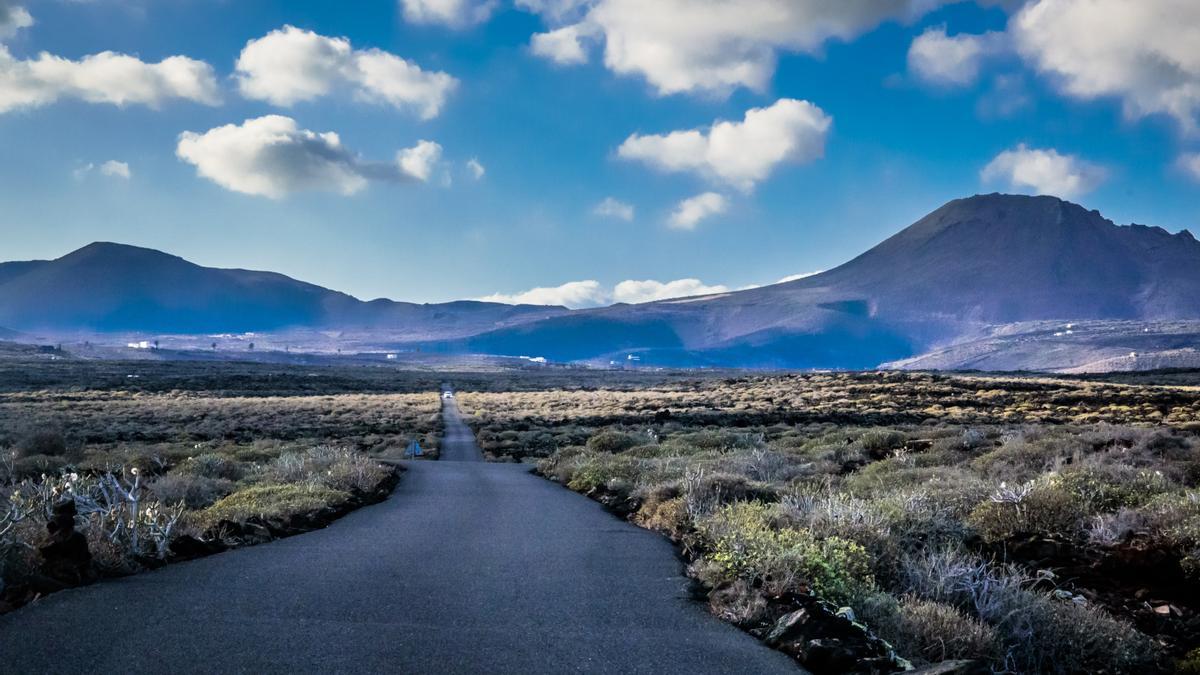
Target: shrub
613	442
704	492
593	471
743	545
669	516
337	468
928	631
1108	488
210	465
43	442
271	502
194	492
1038	632
1043	509
880	442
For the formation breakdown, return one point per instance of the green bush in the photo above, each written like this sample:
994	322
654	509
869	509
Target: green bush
881	441
1109	488
926	631
1046	510
194	492
596	470
743	545
210	465
613	442
271	502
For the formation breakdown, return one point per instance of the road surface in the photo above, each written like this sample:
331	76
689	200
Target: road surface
469	567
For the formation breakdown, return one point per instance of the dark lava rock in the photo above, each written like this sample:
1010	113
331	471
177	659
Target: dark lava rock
66	559
960	667
187	547
826	641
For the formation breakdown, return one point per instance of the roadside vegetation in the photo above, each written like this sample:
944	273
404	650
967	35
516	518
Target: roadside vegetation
101	482
872	522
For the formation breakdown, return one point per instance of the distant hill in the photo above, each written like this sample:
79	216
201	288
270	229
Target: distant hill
106	287
982	282
954	275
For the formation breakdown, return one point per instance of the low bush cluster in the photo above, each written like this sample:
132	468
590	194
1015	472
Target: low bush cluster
904	524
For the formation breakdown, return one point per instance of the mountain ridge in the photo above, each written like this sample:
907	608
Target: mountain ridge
951	277
112	287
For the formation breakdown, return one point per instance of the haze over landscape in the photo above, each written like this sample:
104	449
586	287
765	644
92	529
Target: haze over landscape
853	337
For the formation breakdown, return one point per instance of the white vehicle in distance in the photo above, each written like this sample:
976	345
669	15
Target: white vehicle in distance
447	394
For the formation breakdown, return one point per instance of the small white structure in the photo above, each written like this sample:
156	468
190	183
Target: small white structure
144	344
392	357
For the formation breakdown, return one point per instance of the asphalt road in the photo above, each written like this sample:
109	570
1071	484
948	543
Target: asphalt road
469	567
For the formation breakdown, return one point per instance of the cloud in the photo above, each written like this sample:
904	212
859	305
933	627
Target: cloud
573	294
452	13
272	157
635	292
556	11
798	277
1044	171
726	44
420	160
613	208
477	170
116	169
1143	53
290	65
563	46
13	18
583	294
939	59
107	77
691	211
1189	162
738	153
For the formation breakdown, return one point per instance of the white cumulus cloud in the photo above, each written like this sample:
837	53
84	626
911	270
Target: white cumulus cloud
635	292
691	211
952	61
716	47
12	19
476	168
573	294
1044	172
740	154
116	169
420	160
291	65
1189	163
273	157
107	77
591	293
614	208
563	45
452	13
1144	53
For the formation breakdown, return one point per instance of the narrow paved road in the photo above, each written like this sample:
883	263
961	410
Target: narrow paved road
458	443
469	567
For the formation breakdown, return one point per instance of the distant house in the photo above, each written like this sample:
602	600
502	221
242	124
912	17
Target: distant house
392	357
144	344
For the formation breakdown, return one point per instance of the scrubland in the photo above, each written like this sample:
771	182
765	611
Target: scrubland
869	522
182	462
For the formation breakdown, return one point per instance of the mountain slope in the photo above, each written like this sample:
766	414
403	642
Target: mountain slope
971	264
107	287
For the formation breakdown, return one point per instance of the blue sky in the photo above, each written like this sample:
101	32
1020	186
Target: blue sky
905	106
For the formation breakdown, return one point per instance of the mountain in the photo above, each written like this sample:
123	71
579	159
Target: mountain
954	275
988	281
106	287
